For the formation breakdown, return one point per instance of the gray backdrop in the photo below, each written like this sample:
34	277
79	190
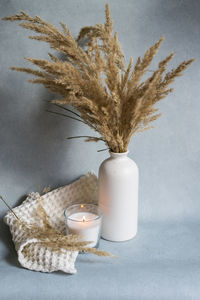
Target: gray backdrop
33	143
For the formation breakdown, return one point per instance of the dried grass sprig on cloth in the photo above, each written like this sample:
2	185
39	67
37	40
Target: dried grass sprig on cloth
110	96
53	238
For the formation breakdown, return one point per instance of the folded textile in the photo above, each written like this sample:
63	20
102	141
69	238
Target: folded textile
34	256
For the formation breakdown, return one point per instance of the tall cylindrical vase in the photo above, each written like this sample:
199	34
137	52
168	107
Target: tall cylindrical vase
118	197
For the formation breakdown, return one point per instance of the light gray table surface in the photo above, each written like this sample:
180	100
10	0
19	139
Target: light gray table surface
162	262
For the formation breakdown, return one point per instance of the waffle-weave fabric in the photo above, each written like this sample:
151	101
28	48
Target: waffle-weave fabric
34	256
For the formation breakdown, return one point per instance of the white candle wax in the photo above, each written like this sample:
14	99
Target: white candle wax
85	224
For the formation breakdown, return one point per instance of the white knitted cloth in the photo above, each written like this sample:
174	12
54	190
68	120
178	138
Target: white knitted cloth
39	258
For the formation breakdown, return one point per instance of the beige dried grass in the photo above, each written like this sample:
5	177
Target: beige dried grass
111	98
53	239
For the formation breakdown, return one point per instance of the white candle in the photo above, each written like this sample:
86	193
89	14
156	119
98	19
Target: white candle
85	224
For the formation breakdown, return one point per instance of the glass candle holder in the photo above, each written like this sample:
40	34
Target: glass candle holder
84	220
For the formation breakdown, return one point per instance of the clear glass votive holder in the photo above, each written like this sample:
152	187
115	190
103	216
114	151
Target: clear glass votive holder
84	220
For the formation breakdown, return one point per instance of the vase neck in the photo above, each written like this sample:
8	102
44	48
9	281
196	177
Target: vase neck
118	155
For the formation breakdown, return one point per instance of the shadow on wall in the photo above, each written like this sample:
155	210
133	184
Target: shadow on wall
35	145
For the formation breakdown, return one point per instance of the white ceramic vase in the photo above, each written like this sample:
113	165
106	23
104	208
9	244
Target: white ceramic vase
118	197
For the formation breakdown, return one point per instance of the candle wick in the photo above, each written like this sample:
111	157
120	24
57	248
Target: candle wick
83	218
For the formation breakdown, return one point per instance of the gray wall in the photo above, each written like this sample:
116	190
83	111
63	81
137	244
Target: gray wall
33	147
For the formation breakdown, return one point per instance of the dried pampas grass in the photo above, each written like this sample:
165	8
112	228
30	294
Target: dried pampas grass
110	97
